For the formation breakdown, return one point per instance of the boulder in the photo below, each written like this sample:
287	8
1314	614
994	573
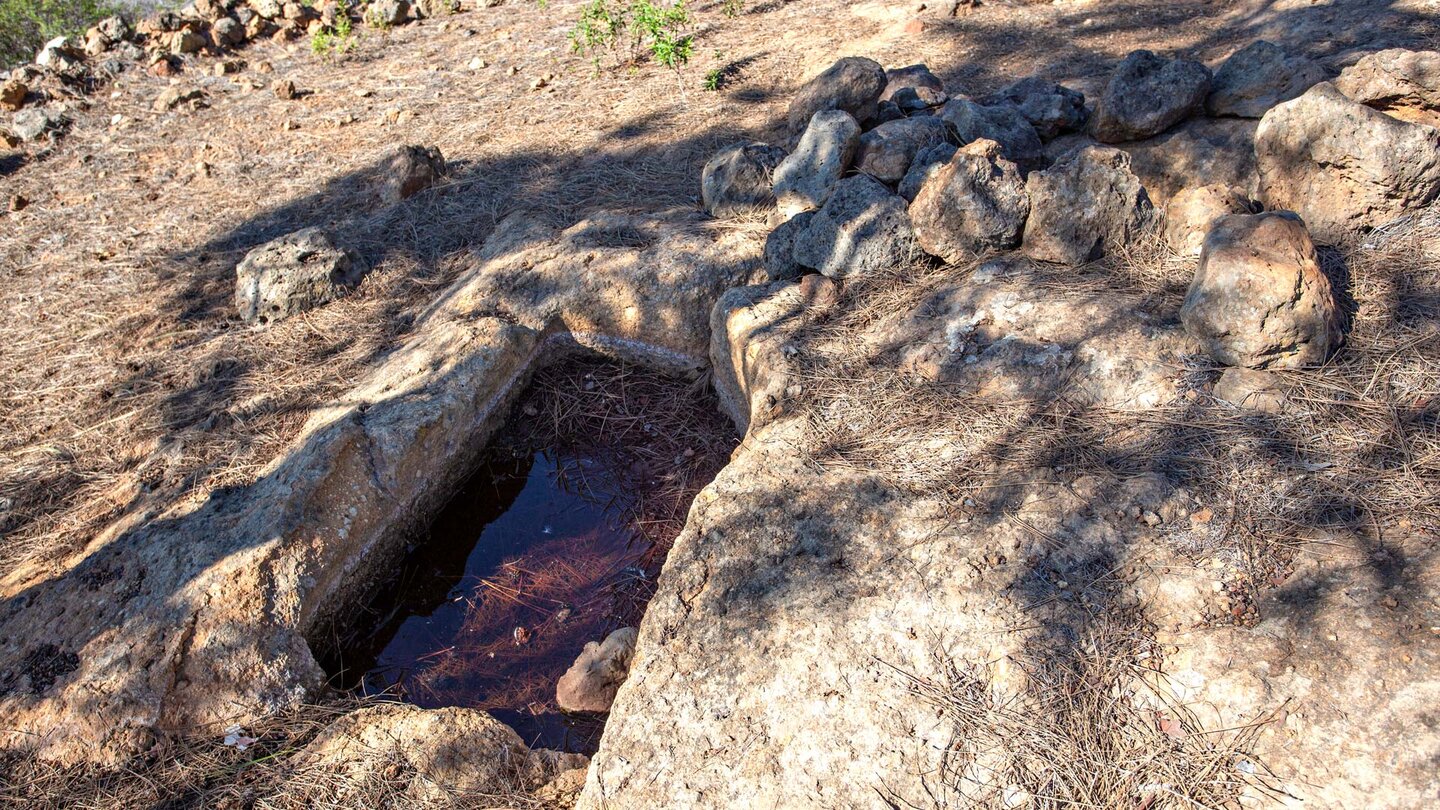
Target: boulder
292	274
1405	84
1259	76
1147	94
927	163
436	8
974	204
863	228
174	96
1259	298
740	177
184	41
228	31
1250	389
59	54
1189	214
805	179
210	9
912	77
1001	123
272	9
852	84
1050	108
1090	198
408	170
115	29
779	256
1343	166
886	111
590	684
887	151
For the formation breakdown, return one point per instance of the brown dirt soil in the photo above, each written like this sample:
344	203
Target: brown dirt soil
126	382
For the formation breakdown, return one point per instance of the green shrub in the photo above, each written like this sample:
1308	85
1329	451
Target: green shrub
25	25
335	39
659	28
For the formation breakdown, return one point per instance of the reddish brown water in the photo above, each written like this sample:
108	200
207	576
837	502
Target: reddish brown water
554	541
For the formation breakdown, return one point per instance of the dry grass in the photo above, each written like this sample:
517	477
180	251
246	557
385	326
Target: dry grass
1088	731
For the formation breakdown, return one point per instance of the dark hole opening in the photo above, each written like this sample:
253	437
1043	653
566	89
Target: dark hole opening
555	540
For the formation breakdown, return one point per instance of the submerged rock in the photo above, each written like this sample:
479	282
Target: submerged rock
1259	298
590	684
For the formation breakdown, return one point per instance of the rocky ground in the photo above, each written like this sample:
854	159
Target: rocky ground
1034	508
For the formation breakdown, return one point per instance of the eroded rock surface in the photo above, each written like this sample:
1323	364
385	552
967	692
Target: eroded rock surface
1189	215
408	170
589	685
740	177
852	84
1259	297
1402	83
292	274
976	203
862	228
1259	76
805	179
887	151
1343	166
1147	95
1087	199
1002	123
1049	107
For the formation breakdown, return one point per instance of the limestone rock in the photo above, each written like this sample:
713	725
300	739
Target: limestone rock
1403	83
861	229
1259	76
1147	94
887	151
432	757
973	205
740	177
805	179
292	274
1088	199
750	329
1052	109
1259	298
1002	123
852	84
1343	166
927	163
912	77
590	684
780	264
1189	214
408	170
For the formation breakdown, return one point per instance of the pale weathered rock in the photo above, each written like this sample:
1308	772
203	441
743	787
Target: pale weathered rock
436	8
750	327
852	84
185	41
975	204
1250	389
1404	84
887	151
590	684
1189	214
805	179
1343	166
1052	109
1259	298
912	77
37	122
292	274
172	97
926	164
1147	94
387	13
740	178
115	29
861	229
1002	123
779	254
272	9
428	756
408	170
295	551
1259	76
1086	201
58	54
